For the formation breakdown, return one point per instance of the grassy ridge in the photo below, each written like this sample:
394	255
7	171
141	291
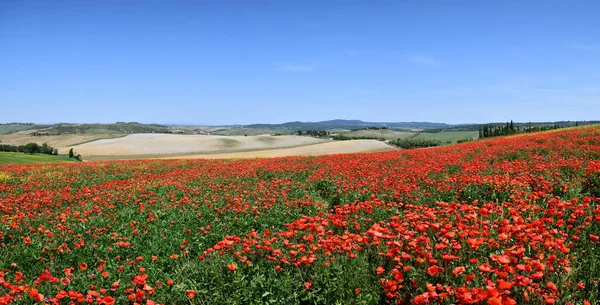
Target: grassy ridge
21	158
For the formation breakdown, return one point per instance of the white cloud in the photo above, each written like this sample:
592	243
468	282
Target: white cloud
292	67
425	60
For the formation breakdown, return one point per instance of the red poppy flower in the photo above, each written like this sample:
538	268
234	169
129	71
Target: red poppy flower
307	285
190	293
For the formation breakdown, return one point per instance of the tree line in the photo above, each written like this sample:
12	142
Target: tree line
314	133
74	155
30	148
34	148
43	134
342	137
371	128
415	143
488	131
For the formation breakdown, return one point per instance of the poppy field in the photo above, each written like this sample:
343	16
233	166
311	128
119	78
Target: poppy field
512	220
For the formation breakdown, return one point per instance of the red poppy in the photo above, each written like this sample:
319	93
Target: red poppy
307	285
107	300
190	293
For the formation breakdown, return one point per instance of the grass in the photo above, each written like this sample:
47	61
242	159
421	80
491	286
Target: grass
384	133
101	131
446	136
22	158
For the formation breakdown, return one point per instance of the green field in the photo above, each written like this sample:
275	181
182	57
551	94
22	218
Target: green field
446	136
22	158
101	131
443	136
383	133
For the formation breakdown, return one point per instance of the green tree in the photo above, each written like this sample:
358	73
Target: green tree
31	148
46	149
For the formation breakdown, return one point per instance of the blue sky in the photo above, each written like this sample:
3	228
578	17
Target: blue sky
239	62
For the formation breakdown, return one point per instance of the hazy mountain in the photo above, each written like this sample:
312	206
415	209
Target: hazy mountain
348	124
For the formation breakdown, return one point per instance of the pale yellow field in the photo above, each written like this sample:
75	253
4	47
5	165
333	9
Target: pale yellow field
151	145
336	147
141	146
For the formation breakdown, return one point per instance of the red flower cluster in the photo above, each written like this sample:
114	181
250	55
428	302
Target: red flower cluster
502	221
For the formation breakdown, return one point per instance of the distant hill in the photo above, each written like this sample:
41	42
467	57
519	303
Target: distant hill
71	128
347	124
120	128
